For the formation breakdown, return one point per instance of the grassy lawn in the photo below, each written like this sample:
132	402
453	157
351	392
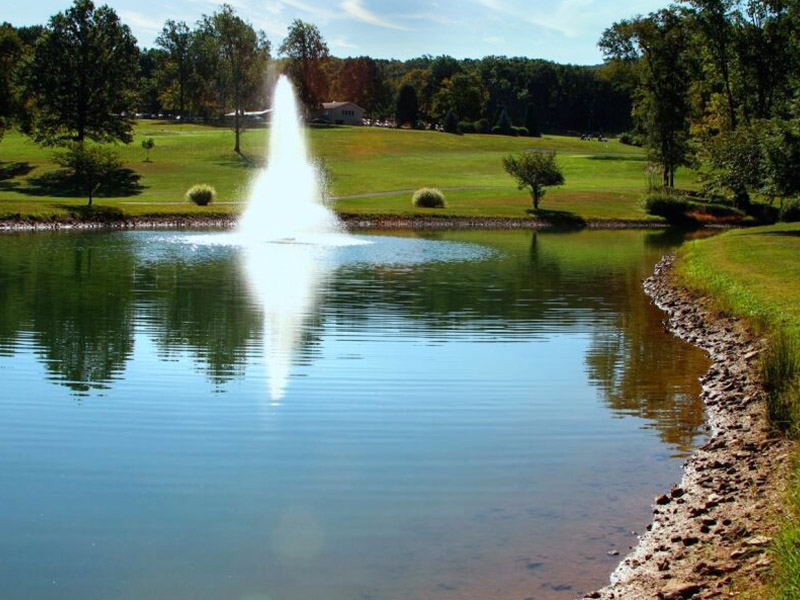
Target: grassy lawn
755	274
373	172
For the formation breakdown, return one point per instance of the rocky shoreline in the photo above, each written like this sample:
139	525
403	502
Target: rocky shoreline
712	530
352	222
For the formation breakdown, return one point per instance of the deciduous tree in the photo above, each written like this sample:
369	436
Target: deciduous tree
534	171
83	77
306	50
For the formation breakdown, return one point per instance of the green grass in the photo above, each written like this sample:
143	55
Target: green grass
374	171
755	274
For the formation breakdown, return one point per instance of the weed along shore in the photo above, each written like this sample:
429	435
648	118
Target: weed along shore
710	533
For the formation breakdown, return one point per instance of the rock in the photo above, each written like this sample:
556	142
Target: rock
679	590
663	499
758	541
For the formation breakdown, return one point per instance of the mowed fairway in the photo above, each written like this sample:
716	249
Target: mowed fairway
373	171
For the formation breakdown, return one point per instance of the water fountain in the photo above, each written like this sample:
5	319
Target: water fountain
286	201
287	233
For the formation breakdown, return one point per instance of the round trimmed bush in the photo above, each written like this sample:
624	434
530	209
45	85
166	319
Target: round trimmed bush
428	198
201	194
790	211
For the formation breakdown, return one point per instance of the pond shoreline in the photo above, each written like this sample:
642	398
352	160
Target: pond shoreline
353	222
711	531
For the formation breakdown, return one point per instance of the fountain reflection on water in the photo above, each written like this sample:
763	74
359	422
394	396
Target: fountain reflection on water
287	234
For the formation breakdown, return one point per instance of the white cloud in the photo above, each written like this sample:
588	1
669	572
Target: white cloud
359	12
341	42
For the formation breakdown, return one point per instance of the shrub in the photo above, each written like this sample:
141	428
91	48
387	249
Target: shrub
201	194
92	166
428	198
466	127
668	205
451	122
630	139
780	372
523	131
482	126
790	211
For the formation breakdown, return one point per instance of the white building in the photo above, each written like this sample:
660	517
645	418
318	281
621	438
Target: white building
342	113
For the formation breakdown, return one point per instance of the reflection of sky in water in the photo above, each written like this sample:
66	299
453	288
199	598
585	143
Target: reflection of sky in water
459	419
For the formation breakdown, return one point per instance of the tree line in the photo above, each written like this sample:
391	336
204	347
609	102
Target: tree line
716	86
83	76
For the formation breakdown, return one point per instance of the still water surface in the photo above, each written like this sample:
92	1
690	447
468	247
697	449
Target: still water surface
452	416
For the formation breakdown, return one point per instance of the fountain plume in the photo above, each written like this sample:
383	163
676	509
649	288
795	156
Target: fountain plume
287	198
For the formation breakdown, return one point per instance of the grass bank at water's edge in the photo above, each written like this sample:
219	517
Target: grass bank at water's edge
755	274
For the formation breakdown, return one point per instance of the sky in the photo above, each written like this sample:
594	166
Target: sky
564	31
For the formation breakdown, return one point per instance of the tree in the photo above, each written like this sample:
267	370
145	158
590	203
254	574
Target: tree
92	166
307	51
535	171
244	54
464	94
11	49
451	122
714	22
407	111
504	126
148	144
532	121
83	77
656	47
175	40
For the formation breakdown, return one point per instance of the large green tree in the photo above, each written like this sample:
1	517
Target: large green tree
244	54
175	40
307	51
656	48
464	94
11	50
83	77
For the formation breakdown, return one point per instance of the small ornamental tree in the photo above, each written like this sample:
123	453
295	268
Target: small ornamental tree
148	145
92	166
534	171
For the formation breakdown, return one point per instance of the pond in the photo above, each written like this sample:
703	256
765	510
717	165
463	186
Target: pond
460	415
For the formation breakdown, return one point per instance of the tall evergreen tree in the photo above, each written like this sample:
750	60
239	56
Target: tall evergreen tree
407	110
532	121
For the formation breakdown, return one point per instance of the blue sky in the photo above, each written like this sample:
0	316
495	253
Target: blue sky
560	30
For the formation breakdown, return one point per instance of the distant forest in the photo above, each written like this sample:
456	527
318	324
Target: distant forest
185	74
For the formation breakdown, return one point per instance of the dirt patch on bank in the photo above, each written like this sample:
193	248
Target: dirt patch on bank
713	528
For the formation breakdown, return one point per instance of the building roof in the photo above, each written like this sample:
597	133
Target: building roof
334	105
250	113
